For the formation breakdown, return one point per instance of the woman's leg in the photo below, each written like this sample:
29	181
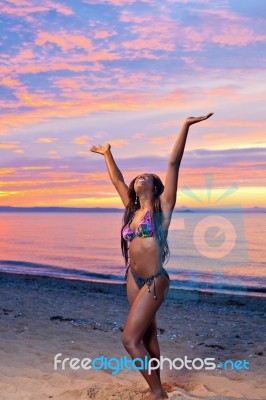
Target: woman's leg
150	341
141	315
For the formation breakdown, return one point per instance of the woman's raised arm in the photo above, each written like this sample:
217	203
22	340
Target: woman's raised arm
114	172
171	180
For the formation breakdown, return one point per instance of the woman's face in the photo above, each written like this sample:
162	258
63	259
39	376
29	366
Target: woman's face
145	182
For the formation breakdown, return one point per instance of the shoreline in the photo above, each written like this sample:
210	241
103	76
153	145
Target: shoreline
43	316
174	293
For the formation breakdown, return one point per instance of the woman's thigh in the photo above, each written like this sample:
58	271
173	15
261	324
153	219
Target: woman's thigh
132	292
132	288
143	310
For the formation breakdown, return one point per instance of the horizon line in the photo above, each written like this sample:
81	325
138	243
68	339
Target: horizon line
106	209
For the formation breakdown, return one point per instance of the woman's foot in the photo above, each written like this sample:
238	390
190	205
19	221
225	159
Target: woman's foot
143	392
155	395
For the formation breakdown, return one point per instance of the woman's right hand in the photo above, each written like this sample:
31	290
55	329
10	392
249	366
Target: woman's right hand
101	149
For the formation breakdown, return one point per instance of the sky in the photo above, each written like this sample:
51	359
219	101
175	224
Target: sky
79	73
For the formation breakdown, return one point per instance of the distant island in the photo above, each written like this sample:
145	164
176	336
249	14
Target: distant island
182	209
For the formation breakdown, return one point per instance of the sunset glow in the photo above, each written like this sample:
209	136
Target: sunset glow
75	74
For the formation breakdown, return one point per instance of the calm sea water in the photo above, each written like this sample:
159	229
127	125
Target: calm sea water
217	254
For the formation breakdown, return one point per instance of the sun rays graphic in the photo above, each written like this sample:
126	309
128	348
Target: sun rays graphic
209	187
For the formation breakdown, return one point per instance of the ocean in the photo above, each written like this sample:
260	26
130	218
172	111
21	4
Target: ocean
213	253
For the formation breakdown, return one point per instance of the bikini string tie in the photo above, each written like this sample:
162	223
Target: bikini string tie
149	283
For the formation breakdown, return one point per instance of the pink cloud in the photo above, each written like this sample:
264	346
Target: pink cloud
10	82
118	142
104	34
23	8
138	135
237	36
23	55
150	36
189	1
44	106
126	16
229	91
221	27
220	14
64	40
139	78
215	135
34	69
35	100
162	139
154	44
69	83
117	2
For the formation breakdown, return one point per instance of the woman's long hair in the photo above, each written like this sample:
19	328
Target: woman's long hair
157	218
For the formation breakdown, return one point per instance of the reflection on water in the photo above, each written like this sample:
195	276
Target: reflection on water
87	246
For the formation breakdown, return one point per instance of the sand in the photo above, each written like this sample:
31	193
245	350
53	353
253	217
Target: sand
41	317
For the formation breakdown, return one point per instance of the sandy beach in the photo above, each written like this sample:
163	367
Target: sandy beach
41	317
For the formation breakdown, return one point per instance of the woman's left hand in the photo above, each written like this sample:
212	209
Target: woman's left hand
194	120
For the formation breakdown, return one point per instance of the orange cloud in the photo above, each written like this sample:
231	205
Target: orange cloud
46	140
81	140
19	151
6	171
49	187
83	153
33	99
9	145
10	82
36	167
83	103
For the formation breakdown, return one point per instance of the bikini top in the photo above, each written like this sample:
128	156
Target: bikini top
144	229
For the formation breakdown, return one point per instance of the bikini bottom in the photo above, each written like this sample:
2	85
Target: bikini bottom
141	281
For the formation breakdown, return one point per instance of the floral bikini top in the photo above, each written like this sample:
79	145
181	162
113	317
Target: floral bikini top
144	229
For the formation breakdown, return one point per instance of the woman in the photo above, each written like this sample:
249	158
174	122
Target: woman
148	208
